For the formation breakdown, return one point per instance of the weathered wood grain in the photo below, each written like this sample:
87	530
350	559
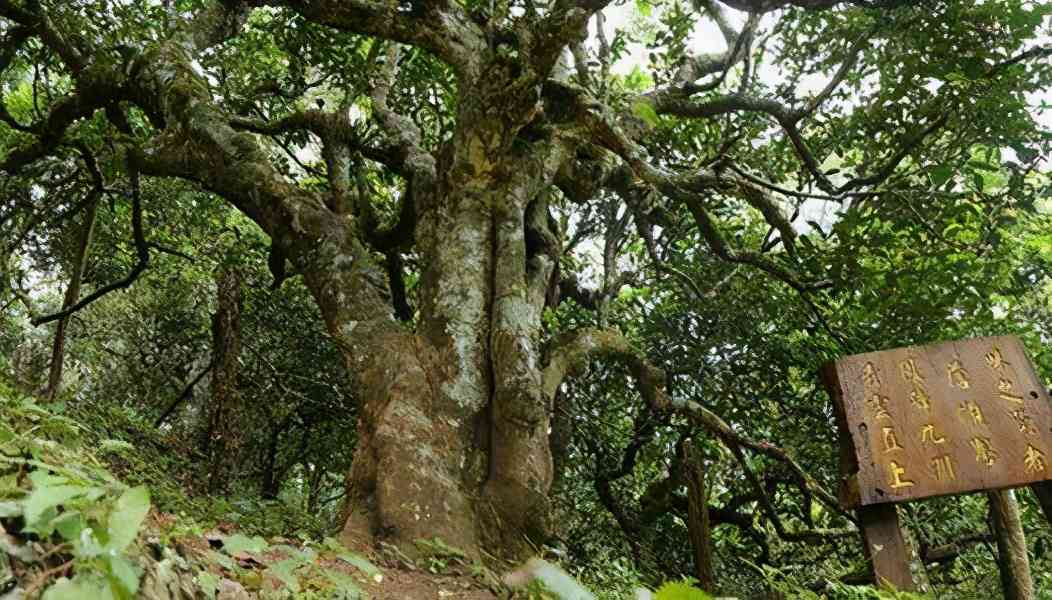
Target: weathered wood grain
941	419
885	547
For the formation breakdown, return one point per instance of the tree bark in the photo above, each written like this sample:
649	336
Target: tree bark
80	262
1012	557
453	417
561	436
1043	492
270	484
698	523
223	442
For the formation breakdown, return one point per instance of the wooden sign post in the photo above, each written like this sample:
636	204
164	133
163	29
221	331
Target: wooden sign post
934	420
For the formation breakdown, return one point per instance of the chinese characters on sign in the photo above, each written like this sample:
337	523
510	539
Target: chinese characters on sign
941	419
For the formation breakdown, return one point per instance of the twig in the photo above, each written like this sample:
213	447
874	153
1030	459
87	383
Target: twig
142	251
40	580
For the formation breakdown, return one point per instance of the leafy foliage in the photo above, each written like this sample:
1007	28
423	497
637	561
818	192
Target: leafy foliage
826	182
84	518
85	522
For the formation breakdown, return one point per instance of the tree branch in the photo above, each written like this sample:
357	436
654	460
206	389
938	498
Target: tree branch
404	133
885	171
40	23
685	188
94	90
571	352
184	395
738	43
566	24
142	252
442	28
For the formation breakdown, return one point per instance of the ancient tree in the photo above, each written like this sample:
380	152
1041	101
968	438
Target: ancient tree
457	140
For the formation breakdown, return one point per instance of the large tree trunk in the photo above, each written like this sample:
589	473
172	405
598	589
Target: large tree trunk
453	436
223	441
453	425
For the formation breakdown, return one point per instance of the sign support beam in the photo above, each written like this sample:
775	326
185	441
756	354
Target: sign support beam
886	547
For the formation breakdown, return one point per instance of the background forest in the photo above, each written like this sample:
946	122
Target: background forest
833	178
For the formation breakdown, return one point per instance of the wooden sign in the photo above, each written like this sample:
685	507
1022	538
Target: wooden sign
941	419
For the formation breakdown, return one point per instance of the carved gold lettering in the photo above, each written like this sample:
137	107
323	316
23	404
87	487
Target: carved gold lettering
995	359
971	410
891	443
879	406
919	398
929	435
958	374
870	379
896	472
1004	386
1033	460
943	468
985	454
1023	421
909	371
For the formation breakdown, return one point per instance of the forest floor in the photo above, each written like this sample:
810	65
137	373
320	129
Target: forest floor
399	584
89	512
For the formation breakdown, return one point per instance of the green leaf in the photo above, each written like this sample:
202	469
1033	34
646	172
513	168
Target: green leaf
125	574
6	434
88	545
78	588
816	511
304	556
10	509
127	517
70	524
346	586
117	446
360	563
46	497
285	571
645	111
941	174
222	560
240	543
677	590
209	584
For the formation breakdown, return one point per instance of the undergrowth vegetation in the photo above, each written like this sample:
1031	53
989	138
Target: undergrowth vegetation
96	506
73	530
172	471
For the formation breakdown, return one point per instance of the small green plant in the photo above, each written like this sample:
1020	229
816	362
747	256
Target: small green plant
678	590
440	556
318	570
63	498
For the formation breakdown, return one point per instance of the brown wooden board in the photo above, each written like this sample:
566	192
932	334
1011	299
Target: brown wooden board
885	547
941	419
